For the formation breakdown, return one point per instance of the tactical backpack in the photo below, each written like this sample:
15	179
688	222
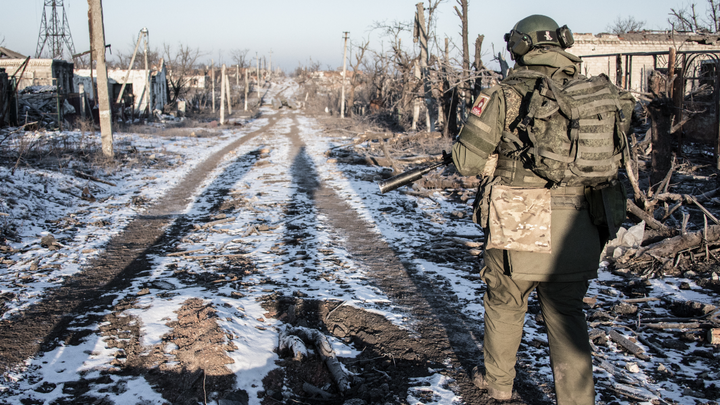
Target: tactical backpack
575	130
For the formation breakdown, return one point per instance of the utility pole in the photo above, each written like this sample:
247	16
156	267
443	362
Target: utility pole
97	39
227	93
246	86
342	97
222	95
257	71
143	31
270	67
212	82
148	88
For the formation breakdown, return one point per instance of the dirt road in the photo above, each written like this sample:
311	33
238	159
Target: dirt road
307	232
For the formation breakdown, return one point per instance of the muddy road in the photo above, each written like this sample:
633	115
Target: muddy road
186	303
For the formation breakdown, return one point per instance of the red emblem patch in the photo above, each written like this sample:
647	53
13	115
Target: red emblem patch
480	105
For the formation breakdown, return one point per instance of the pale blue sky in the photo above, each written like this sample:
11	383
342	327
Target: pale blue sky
296	31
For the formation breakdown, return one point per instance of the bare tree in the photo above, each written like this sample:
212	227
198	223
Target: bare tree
181	65
462	12
683	19
625	25
240	57
688	19
357	78
122	59
713	14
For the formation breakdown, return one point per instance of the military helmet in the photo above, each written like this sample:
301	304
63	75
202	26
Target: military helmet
537	30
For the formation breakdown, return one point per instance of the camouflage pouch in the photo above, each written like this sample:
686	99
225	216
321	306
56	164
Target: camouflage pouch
607	204
519	219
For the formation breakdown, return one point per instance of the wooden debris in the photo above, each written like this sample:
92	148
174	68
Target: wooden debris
628	345
213	223
659	351
294	344
233	256
639	300
673	325
183	253
324	349
672	246
313	390
93	178
631	392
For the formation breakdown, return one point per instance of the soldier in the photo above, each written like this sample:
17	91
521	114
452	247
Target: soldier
540	232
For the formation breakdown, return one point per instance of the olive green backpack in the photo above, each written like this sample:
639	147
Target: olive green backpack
576	138
575	130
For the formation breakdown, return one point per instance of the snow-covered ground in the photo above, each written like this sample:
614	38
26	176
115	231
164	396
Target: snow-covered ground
42	202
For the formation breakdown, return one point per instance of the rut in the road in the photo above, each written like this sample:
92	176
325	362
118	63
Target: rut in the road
442	334
125	255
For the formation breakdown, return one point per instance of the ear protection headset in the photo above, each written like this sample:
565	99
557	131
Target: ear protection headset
520	43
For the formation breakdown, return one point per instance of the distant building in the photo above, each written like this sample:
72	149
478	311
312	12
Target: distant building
40	72
137	85
8	54
629	58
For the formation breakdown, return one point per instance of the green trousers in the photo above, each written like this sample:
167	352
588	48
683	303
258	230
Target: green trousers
506	302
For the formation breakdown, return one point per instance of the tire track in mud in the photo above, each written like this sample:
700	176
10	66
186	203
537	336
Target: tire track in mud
441	337
125	256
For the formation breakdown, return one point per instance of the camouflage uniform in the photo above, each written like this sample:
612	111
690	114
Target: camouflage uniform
561	277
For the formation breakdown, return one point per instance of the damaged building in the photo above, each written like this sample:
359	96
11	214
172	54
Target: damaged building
42	86
629	59
138	91
633	61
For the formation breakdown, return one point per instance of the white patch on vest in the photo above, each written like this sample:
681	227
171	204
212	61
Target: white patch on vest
548	37
480	105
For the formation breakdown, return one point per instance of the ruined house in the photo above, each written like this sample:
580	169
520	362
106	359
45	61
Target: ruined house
629	59
40	72
10	54
5	98
136	87
42	86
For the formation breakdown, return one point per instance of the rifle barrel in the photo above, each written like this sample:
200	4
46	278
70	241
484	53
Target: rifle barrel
406	177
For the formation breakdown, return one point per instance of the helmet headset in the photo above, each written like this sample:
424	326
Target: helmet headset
534	31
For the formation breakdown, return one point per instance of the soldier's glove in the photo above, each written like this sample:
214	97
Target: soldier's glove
447	158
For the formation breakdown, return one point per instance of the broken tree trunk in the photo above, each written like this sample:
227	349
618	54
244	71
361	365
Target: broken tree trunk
672	246
661	113
287	340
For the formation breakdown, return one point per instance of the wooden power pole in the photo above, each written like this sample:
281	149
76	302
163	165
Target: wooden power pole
97	39
212	83
246	86
222	95
342	96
